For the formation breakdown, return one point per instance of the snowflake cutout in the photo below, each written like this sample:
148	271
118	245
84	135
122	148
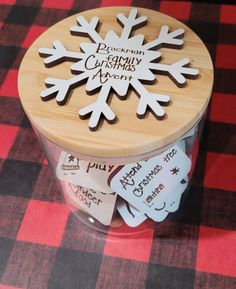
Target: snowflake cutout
116	63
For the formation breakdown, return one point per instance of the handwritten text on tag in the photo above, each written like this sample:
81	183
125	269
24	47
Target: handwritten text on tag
145	184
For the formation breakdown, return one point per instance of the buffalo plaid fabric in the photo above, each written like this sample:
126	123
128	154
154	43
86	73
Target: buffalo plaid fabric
42	244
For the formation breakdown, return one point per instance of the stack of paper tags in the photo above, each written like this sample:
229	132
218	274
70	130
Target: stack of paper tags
147	189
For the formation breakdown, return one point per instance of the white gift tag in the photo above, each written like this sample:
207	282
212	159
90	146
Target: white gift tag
169	204
130	214
190	133
182	145
145	184
134	217
84	173
98	205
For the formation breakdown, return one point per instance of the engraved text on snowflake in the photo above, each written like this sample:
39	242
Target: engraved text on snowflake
118	63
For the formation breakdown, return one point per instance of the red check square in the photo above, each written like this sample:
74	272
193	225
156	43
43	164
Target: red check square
7	134
7	2
227	14
57	4
32	35
225	56
176	9
216	251
43	223
9	87
105	3
135	246
8	287
227	101
220	171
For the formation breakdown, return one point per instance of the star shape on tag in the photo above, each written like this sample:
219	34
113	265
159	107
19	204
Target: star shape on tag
174	171
71	158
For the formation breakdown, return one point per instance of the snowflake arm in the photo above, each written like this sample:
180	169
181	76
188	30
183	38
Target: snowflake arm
166	39
131	22
97	109
58	54
87	28
149	100
61	88
177	70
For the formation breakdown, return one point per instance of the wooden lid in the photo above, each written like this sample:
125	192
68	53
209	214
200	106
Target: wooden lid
129	135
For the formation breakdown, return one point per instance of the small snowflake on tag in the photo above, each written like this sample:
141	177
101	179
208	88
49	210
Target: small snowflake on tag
116	63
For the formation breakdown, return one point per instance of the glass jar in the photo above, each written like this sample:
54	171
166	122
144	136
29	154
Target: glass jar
131	174
81	194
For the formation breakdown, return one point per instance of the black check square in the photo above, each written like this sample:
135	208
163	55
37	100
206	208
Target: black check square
163	277
8	55
216	144
4	12
204	139
225	80
212	281
29	266
13	34
11	104
22	15
1	164
150	4
46	188
226	31
48	17
120	273
74	269
26	147
207	31
219	210
29	3
189	211
18	178
79	236
81	5
19	57
199	172
5	250
211	47
12	210
205	12
175	244
25	122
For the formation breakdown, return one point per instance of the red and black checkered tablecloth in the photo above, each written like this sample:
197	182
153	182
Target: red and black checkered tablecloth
42	245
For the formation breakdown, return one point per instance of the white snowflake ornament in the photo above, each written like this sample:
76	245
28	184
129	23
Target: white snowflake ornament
116	63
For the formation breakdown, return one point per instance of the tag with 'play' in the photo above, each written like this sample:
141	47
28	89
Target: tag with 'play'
146	184
84	173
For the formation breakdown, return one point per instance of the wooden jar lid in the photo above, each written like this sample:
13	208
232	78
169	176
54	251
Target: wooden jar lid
129	135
